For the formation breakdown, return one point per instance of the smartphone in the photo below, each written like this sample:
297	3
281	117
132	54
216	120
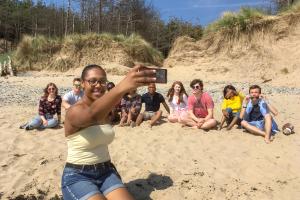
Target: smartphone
161	75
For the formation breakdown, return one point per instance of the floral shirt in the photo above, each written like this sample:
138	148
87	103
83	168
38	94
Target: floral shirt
51	108
131	102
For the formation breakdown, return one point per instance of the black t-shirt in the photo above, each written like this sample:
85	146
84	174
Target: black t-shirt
152	102
255	114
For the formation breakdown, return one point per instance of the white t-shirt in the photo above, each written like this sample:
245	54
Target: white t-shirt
72	98
182	106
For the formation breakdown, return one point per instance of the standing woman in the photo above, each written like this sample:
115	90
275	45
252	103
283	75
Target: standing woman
49	105
178	101
89	173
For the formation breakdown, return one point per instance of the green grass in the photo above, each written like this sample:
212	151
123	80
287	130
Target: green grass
4	57
41	49
239	20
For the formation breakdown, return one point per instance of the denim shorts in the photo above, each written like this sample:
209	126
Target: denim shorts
80	184
261	125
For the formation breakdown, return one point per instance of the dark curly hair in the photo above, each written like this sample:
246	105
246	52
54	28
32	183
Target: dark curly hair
228	87
181	93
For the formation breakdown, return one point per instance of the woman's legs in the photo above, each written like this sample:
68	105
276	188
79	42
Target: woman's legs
51	123
36	122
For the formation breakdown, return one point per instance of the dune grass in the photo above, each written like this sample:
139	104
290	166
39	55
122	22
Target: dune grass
32	50
239	20
4	57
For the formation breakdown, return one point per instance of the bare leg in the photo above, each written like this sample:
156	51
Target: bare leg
211	123
123	119
222	122
97	197
119	194
268	127
129	118
172	119
252	129
139	119
233	122
155	117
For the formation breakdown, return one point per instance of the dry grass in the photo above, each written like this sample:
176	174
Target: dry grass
62	54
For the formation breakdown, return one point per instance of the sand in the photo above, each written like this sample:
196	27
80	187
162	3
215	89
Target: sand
163	163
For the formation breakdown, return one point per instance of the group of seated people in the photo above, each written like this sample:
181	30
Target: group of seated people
253	112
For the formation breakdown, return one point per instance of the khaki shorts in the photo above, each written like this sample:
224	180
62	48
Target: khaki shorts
147	115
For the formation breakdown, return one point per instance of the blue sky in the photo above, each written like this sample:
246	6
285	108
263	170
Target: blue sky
201	11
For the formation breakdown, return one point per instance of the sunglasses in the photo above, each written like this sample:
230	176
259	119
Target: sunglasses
51	89
94	82
196	87
77	85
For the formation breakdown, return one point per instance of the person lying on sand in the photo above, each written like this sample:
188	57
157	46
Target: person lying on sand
200	106
256	115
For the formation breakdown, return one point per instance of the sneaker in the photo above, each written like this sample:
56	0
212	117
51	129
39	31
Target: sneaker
23	126
27	128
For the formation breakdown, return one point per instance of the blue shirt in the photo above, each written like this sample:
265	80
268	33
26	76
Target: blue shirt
256	112
152	102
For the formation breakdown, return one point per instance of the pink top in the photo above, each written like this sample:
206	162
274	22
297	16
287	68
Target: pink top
200	106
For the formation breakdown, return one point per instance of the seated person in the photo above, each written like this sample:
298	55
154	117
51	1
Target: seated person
49	105
71	97
131	105
231	107
178	101
256	115
152	101
200	107
114	115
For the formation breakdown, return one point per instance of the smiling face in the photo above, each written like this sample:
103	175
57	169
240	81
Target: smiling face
254	93
177	88
230	93
94	83
151	88
76	86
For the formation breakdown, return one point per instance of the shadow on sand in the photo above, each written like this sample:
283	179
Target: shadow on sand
142	188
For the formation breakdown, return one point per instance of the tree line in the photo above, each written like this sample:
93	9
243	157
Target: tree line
19	17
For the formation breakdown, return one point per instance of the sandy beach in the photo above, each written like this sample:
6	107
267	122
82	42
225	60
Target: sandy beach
162	163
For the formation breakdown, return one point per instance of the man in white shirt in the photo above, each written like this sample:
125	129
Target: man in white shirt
70	98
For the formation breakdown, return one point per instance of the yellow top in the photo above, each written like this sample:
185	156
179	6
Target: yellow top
235	103
90	145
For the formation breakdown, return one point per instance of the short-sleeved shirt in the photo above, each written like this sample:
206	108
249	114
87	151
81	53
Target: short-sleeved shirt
257	111
235	103
152	102
201	105
50	108
131	102
72	98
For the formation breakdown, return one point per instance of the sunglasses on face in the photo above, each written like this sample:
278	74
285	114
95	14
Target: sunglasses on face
94	82
77	85
52	89
196	87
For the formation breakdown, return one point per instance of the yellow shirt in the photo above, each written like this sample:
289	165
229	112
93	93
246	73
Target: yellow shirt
235	103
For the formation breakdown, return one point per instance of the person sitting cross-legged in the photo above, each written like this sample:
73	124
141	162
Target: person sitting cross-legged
256	115
152	101
231	107
131	105
200	106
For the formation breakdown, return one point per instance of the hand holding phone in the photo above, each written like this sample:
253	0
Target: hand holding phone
161	75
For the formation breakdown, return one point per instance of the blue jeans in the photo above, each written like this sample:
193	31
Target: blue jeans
232	115
86	182
37	122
